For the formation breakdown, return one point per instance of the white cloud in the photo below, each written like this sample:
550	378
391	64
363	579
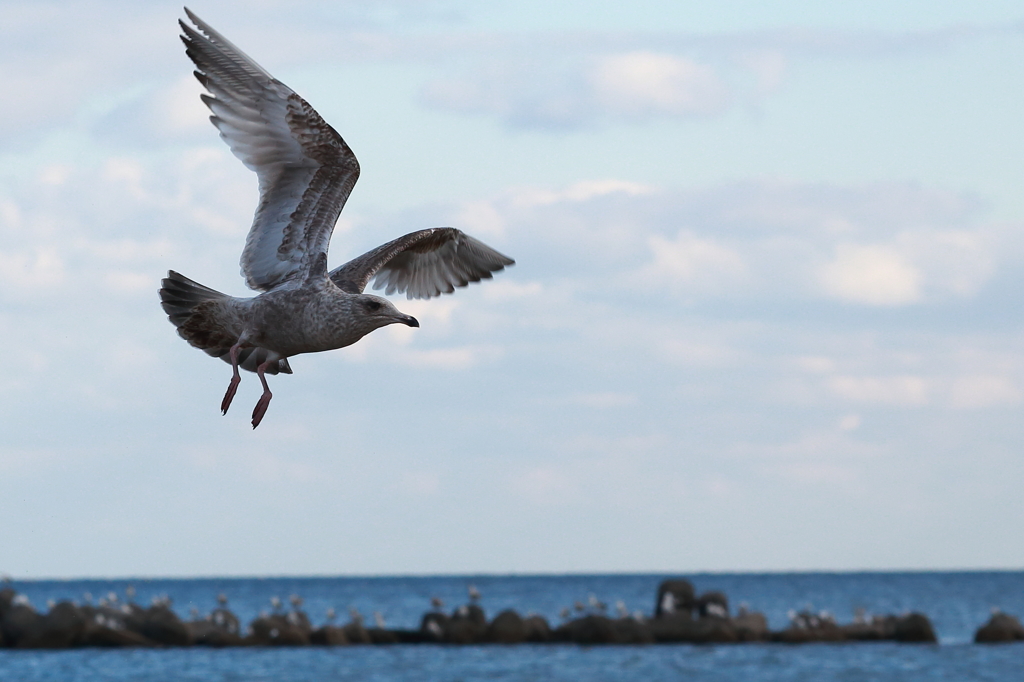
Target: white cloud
31	273
546	485
692	260
871	274
850	422
555	94
642	84
905	390
980	391
577	192
768	67
507	289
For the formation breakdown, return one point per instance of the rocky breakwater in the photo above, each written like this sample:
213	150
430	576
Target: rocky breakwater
806	627
1000	628
680	615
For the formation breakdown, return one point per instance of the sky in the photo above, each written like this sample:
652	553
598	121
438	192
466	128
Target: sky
767	312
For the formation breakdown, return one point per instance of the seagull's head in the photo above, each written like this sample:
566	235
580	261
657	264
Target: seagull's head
378	312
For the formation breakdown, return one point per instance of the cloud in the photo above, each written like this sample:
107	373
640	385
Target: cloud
876	275
558	94
904	391
644	84
882	245
980	391
691	261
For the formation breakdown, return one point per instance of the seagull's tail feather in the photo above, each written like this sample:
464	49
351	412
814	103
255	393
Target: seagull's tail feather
207	326
179	296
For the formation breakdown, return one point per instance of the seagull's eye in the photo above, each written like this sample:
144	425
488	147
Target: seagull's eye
373	306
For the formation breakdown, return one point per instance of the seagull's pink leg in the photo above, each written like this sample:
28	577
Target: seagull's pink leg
235	379
261	406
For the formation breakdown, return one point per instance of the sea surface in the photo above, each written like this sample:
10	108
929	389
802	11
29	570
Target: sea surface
956	602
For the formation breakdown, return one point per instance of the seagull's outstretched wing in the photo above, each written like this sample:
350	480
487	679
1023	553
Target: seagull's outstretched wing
422	264
305	170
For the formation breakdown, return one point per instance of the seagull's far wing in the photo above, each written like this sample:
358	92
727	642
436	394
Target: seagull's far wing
422	264
305	170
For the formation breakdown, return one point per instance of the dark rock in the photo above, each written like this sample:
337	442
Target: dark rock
225	620
300	620
63	627
681	628
328	635
7	596
674	596
132	615
824	632
588	630
632	631
103	636
506	628
161	625
1001	627
713	604
412	637
355	633
873	631
470	612
277	630
21	623
381	636
432	626
914	627
207	633
467	625
751	627
537	629
463	631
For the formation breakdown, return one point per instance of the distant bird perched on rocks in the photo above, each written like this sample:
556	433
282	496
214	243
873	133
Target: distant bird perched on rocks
474	594
436	603
306	172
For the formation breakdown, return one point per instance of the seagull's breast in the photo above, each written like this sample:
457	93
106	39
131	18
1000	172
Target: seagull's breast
304	320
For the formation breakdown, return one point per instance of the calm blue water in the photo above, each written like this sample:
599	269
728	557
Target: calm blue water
957	603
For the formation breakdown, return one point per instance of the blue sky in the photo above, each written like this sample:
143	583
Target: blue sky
766	313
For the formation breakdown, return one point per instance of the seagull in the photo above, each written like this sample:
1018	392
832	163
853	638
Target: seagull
306	172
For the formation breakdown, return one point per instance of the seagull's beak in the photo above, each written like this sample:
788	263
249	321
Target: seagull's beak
409	320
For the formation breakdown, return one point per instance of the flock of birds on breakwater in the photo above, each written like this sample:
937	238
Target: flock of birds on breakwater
680	616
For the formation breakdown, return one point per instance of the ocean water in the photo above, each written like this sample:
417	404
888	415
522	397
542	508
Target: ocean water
957	603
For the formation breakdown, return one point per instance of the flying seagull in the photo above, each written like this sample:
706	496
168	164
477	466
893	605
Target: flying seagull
305	172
